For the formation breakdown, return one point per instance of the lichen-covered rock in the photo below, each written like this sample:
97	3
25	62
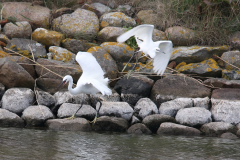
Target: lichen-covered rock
68	109
75	45
110	34
76	124
17	99
27	47
106	61
45	99
92	9
100	7
181	36
218	128
138	128
116	19
154	121
225	110
172	87
231	75
232	57
9	119
148	17
194	116
81	23
140	67
144	108
116	109
172	107
235	40
158	35
36	15
4	38
46	37
62	54
14	75
207	68
177	129
120	52
20	30
106	123
36	115
195	54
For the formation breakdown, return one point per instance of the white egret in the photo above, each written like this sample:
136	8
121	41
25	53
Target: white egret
159	51
91	81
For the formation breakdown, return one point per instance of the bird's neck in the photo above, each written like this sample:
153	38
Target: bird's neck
72	90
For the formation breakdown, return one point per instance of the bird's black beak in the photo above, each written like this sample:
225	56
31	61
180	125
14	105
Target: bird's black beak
62	84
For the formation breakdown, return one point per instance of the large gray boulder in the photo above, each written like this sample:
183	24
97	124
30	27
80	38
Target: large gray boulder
77	124
194	116
17	99
144	108
9	119
20	30
45	99
37	115
138	128
218	128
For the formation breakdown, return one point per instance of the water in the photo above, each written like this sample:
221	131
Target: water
29	144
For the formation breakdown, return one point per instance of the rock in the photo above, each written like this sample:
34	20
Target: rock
58	67
75	45
225	110
132	89
81	24
110	34
172	87
14	75
143	78
126	9
222	83
4	38
27	47
37	16
20	30
114	97
36	115
238	133
92	9
77	124
2	91
101	7
9	119
207	68
193	117
229	135
232	57
171	108
117	109
140	67
62	54
116	19
153	121
138	128
26	64
106	61
235	40
195	54
46	37
45	99
49	85
230	75
134	120
226	94
144	108
106	123
61	11
66	110
177	129
201	102
218	128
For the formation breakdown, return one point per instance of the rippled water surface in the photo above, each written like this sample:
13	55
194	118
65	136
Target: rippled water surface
32	144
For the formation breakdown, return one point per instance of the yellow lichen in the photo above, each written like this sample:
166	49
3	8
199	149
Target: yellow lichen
106	56
94	49
209	69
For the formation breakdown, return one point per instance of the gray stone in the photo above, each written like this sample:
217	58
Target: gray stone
106	123
230	74
193	117
9	119
138	128
68	109
4	38
45	99
110	34
77	124
177	129
228	135
225	111
2	91
116	109
218	128
134	120
232	57
222	83
238	133
36	115
201	102
114	97
17	99
144	108
235	40
101	7
50	85
20	30
153	121
226	94
62	54
172	107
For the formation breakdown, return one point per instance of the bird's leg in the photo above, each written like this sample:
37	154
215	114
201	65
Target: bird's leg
73	116
96	117
129	60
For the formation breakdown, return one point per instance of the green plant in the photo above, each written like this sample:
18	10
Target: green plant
131	41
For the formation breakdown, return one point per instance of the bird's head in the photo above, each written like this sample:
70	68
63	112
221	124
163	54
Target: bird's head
66	79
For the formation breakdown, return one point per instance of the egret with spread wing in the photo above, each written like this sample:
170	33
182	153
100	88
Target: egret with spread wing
91	81
159	51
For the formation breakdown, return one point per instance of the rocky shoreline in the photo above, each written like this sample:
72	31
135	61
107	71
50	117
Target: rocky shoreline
199	97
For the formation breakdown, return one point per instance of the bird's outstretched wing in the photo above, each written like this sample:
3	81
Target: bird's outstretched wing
161	59
102	87
142	33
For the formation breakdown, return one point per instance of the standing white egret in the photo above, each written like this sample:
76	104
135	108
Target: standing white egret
160	51
91	81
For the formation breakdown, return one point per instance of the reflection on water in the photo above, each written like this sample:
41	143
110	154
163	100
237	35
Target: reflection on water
32	144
